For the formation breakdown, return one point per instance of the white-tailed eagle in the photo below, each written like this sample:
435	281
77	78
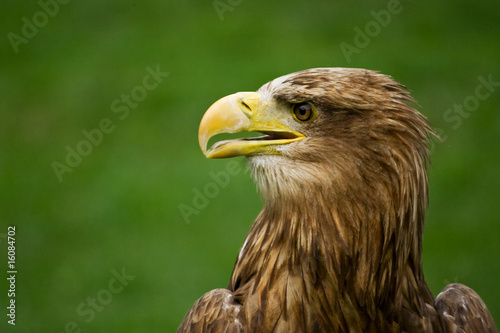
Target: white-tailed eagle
337	247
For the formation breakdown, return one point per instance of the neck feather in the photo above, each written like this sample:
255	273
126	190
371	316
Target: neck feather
350	242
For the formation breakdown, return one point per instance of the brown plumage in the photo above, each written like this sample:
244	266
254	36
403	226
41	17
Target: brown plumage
337	246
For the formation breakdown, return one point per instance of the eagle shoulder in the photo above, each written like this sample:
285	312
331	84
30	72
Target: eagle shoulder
463	310
216	311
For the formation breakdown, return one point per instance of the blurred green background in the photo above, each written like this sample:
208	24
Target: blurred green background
119	209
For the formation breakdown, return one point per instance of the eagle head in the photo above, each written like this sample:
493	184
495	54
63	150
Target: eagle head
327	127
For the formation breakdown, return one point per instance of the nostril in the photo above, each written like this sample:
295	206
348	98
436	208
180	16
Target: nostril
245	105
248	102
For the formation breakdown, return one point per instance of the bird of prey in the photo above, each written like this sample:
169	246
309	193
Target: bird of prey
337	247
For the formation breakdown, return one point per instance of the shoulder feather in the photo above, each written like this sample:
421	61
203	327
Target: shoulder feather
216	311
463	310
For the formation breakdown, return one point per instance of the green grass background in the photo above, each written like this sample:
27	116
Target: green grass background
120	207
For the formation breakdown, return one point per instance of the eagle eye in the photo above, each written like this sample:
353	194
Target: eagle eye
303	111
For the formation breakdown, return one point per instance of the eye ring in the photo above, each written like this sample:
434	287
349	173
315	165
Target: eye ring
303	111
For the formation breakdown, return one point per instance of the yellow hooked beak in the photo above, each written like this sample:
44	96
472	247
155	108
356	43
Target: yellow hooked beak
243	112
